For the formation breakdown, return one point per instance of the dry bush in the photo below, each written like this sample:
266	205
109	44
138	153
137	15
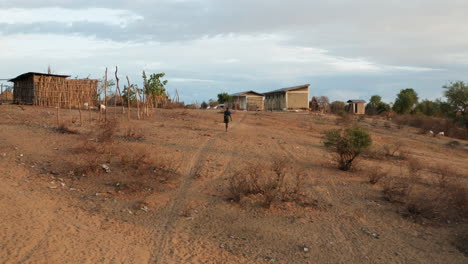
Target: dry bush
392	149
280	181
415	167
443	175
426	123
139	163
396	189
132	134
106	131
445	200
377	153
436	203
64	129
344	119
376	174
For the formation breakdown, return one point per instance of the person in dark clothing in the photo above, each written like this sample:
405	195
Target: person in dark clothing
227	116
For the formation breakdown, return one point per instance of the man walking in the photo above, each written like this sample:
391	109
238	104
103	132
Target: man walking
227	116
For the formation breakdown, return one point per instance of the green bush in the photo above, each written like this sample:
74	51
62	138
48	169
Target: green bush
348	144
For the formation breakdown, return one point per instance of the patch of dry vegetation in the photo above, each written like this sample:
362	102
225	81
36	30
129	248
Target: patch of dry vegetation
443	199
281	181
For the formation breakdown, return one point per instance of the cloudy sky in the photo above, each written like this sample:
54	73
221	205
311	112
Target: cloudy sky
344	48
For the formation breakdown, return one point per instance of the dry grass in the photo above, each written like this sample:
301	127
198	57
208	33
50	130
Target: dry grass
426	123
278	182
64	129
376	174
106	131
439	201
132	134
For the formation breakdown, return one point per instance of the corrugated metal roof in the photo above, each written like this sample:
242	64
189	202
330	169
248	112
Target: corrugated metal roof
288	88
356	101
241	93
37	73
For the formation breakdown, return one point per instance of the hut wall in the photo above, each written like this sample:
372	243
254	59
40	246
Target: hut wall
53	91
254	102
23	91
298	99
275	101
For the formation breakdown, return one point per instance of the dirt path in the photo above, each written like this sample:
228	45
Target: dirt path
178	202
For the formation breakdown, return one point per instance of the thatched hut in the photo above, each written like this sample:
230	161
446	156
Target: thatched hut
44	89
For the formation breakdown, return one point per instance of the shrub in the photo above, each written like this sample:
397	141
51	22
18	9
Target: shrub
133	135
348	144
396	190
376	175
64	129
337	107
435	124
280	181
106	131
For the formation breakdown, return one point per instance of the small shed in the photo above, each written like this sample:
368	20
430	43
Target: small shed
296	97
249	100
43	89
357	106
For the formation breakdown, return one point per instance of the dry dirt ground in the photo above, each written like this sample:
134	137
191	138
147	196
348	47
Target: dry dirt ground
165	199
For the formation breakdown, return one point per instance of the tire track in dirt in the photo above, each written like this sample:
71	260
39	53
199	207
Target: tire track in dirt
178	201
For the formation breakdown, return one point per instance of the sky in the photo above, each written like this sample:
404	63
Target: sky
345	49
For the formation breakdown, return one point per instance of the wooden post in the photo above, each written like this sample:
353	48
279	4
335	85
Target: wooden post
58	107
137	95
115	94
128	97
105	96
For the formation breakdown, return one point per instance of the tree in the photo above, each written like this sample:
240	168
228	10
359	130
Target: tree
348	144
204	105
337	107
323	103
154	87
224	98
130	91
376	106
457	98
405	101
427	107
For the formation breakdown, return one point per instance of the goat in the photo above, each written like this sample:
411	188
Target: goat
440	134
431	133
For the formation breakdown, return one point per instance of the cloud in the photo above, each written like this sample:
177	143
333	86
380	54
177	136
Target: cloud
244	44
114	17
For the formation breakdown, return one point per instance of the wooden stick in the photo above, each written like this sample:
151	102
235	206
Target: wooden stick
58	107
105	96
128	97
115	94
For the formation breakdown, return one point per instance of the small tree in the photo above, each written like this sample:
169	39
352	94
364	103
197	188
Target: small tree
337	107
224	98
376	106
348	144
405	101
427	107
130	93
204	105
154	86
457	98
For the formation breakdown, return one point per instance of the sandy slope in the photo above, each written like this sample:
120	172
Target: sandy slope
189	220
